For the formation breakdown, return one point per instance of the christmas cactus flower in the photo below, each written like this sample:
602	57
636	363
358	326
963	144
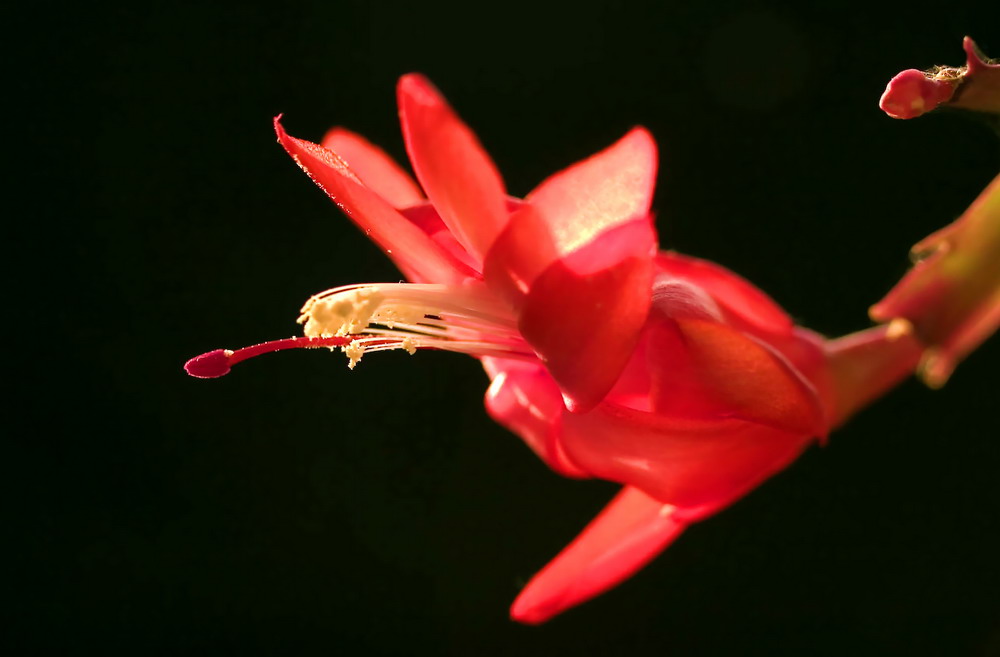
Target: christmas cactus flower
667	374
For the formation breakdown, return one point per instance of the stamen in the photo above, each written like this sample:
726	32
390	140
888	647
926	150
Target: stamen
368	318
218	362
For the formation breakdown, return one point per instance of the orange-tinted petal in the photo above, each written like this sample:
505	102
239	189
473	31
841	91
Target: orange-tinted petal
410	248
749	379
377	170
525	399
583	315
631	530
458	176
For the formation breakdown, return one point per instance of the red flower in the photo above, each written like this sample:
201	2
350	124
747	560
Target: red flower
667	374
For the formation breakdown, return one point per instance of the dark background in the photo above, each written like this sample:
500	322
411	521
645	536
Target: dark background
296	507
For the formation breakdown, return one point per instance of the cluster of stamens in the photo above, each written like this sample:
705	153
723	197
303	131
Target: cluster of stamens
359	319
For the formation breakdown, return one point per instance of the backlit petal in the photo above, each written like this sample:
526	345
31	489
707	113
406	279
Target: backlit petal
574	208
410	248
377	170
631	530
583	315
458	176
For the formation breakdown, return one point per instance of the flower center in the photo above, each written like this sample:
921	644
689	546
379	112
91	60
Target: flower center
359	319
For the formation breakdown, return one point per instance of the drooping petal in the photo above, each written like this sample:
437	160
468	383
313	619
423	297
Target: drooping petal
410	248
525	399
584	314
685	462
374	167
458	176
631	530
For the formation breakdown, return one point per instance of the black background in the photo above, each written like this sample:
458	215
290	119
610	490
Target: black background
297	507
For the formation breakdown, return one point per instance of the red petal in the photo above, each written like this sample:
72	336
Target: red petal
583	315
413	252
631	530
685	462
425	217
525	399
742	300
457	174
376	169
743	378
573	208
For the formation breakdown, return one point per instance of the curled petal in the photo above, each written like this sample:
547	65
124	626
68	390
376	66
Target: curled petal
631	530
685	462
419	258
525	399
583	315
739	299
374	167
459	177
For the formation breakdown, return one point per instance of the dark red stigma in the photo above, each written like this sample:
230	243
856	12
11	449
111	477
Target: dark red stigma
218	362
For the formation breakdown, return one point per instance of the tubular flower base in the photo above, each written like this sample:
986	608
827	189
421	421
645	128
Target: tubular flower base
667	374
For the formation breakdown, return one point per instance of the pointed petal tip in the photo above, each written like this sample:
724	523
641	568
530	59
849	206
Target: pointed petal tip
418	88
631	530
527	611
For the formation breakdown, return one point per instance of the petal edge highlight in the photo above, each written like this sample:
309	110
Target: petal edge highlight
631	530
412	250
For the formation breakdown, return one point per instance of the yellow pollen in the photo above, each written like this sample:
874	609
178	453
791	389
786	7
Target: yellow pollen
340	314
354	352
898	328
